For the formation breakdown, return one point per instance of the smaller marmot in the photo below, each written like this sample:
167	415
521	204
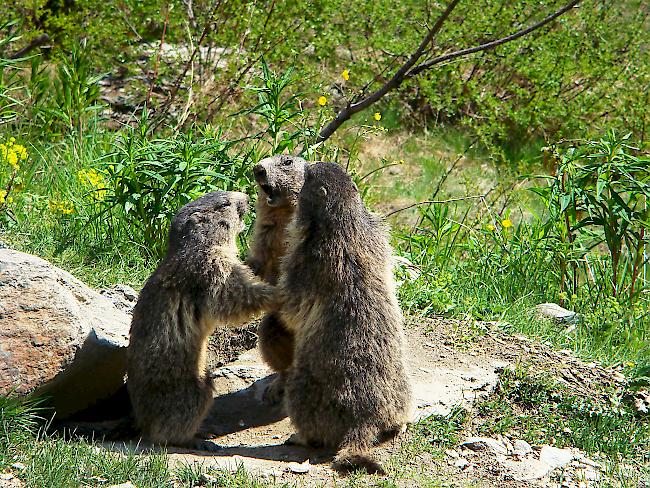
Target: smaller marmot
347	387
279	180
199	285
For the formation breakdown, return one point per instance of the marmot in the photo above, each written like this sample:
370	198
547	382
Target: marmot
347	387
279	180
199	285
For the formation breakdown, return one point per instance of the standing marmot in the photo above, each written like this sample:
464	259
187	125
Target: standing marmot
347	387
279	179
199	284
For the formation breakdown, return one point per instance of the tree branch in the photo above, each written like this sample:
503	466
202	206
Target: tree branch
407	70
391	84
492	44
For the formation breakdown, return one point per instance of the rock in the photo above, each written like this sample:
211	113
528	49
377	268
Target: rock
521	448
59	338
556	313
19	466
556	457
299	468
3	245
485	444
461	463
122	296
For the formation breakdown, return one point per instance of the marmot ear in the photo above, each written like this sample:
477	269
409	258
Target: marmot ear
323	191
356	188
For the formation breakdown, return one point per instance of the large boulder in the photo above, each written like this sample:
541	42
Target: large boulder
59	338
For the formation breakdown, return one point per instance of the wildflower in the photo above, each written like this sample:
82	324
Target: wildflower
61	207
490	227
506	223
12	140
3	194
562	295
377	116
630	364
401	161
345	75
12	159
10	200
20	151
322	101
574	297
93	179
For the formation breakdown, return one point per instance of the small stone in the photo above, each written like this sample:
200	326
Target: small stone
299	468
485	444
208	479
555	457
452	454
521	448
461	463
6	476
556	313
19	466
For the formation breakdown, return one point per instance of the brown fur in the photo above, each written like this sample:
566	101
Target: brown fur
347	387
279	180
199	285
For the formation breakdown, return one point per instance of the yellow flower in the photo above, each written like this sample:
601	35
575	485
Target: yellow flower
20	151
377	116
490	227
3	194
12	140
61	207
12	159
562	295
10	199
346	74
401	161
506	223
322	101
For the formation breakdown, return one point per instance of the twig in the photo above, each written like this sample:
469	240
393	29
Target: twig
40	40
155	70
430	202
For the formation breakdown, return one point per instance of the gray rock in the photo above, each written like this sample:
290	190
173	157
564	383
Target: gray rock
556	313
521	448
59	338
122	296
556	457
485	444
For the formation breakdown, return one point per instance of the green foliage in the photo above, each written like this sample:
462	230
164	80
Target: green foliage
599	196
76	91
147	179
532	408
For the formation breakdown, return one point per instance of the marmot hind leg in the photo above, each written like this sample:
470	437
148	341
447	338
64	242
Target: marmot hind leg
276	346
277	343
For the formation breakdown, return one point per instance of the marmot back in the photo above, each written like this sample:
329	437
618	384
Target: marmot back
348	386
279	181
199	285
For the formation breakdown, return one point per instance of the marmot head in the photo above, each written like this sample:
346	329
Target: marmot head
213	219
329	195
280	179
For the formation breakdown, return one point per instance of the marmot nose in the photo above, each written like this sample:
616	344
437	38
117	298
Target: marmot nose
260	172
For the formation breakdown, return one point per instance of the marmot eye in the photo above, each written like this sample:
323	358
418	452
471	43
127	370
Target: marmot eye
286	162
323	191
